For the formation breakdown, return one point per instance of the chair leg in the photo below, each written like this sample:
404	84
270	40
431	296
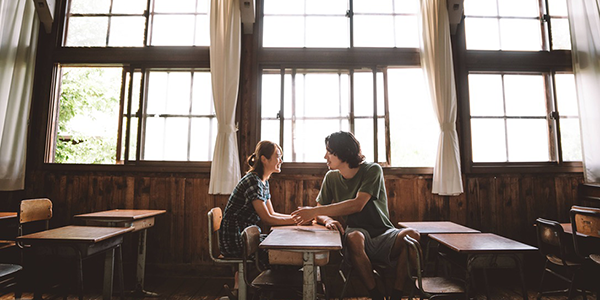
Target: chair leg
80	276
119	271
572	286
242	288
541	289
347	277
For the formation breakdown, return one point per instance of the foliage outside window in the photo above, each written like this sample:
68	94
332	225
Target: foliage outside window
174	116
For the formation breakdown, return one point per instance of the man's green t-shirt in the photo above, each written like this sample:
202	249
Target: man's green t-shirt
374	217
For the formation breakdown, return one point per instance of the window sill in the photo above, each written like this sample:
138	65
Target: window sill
542	167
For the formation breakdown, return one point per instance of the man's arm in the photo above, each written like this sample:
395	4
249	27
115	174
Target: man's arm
342	208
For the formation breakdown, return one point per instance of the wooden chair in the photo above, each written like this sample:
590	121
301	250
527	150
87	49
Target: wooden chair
215	215
586	221
9	279
557	251
283	283
429	287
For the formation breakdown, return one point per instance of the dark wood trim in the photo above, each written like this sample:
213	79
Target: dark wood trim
189	57
524	61
355	57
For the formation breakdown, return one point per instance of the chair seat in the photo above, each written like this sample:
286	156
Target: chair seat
9	269
595	258
230	260
281	278
442	285
557	261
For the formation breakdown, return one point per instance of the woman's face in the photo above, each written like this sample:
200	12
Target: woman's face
273	164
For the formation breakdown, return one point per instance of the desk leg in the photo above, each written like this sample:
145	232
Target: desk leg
109	263
309	277
141	267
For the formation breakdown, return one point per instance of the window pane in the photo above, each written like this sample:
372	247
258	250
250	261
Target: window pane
520	34
88	115
558	7
323	7
566	96
90	6
407	6
164	26
527	140
363	130
309	139
407	32
323	98
409	104
283	31
127	31
570	139
365	26
203	136
178	6
176	139
480	8
269	130
525	95
202	30
485	95
284	6
202	94
482	34
327	32
270	96
518	8
561	36
128	6
154	148
367	6
363	94
488	140
87	31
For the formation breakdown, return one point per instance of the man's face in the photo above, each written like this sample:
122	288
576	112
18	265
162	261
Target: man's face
333	162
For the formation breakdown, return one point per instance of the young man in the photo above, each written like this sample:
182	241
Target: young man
355	190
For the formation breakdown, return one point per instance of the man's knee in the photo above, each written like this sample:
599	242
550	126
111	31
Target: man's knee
413	233
355	241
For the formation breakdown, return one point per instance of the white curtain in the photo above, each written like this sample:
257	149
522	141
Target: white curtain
225	40
436	61
584	21
18	42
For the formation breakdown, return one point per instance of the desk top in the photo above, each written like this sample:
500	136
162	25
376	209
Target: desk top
430	227
480	243
122	214
75	234
291	239
7	215
312	227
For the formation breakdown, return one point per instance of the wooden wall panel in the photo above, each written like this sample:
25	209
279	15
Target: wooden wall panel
504	204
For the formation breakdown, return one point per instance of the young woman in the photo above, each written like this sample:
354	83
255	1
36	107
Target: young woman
250	201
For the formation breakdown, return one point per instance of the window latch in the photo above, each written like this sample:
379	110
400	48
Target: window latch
349	14
554	115
546	18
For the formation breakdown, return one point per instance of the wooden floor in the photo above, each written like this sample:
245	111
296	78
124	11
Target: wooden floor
202	288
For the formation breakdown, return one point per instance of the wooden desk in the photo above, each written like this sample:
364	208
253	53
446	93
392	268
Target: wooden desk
431	227
307	242
86	241
138	219
485	250
8	215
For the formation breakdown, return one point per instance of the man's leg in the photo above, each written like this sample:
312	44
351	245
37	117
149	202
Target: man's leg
355	241
400	253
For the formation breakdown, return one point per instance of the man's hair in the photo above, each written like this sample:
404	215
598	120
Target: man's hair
346	147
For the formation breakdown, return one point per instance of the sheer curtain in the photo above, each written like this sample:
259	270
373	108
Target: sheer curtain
225	41
584	20
18	43
436	61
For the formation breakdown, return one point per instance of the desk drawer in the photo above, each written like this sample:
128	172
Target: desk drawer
294	258
143	224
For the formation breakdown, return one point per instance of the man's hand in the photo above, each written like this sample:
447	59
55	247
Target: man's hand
304	214
334	225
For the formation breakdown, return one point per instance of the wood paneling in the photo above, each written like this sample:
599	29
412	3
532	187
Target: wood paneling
504	204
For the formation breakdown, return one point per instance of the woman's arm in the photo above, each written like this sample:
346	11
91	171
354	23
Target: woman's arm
267	215
342	208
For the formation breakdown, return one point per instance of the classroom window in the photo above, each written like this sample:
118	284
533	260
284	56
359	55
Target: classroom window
380	106
137	23
122	115
520	117
340	24
518	25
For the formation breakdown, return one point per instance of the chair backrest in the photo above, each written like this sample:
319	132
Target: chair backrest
552	240
214	224
584	220
250	241
415	260
34	211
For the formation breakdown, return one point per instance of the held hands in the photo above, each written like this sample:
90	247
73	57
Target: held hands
334	225
303	215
